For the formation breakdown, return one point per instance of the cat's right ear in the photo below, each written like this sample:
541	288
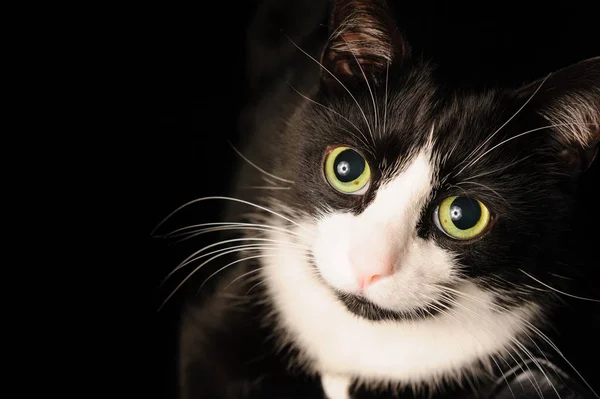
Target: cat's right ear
363	39
569	100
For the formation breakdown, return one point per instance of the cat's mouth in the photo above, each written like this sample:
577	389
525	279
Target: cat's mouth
363	307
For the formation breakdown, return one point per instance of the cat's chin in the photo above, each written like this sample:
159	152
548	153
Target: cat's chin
362	306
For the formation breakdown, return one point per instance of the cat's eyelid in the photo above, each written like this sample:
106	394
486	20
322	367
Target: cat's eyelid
363	190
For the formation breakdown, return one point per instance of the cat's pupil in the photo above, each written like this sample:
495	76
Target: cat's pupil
455	213
348	166
465	212
343	168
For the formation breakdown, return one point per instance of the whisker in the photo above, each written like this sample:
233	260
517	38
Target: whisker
509	119
226	199
476	300
233	263
192	234
375	110
534	329
268	181
187	229
265	188
460	188
489	328
532	380
335	113
514	340
559	276
507	140
489	172
191	258
558	291
244	275
199	267
448	314
387	70
339	81
256	285
245	247
487	188
259	168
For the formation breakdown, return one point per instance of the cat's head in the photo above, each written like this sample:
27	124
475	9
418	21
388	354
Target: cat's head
417	196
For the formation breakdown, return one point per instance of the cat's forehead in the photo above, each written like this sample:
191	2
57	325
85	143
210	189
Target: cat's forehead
402	122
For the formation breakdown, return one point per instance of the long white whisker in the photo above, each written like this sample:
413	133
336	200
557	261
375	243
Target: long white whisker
476	300
448	314
335	113
499	307
339	81
226	199
527	335
460	188
506	141
558	291
509	119
180	230
532	380
489	328
555	348
258	269
195	230
487	188
241	247
259	168
385	104
191	258
198	268
515	341
233	263
489	172
264	188
268	181
375	110
257	284
536	330
193	234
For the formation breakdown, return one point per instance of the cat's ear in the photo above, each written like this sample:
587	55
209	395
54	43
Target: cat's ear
363	39
569	100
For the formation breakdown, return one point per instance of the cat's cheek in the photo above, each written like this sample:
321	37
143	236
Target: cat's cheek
331	248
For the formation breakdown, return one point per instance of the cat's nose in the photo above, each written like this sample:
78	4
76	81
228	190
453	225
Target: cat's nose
369	267
367	280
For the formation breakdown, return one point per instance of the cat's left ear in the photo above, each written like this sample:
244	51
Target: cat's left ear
569	100
363	39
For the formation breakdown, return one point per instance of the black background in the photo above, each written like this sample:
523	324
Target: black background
199	60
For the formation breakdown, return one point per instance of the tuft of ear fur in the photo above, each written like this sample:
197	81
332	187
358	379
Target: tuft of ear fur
569	99
363	38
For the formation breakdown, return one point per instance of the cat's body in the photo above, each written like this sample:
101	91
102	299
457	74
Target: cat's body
350	292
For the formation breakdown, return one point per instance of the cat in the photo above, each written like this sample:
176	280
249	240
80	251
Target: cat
410	238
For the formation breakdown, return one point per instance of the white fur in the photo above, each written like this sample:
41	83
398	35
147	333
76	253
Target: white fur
384	231
336	386
337	342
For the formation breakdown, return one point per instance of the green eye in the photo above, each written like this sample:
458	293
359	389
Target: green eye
462	218
347	171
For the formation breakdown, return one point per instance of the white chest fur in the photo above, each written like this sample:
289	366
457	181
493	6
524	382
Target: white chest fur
337	342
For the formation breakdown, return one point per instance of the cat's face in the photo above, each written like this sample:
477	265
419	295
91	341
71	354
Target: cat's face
425	205
421	219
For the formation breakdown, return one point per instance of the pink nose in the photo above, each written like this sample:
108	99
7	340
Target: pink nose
367	280
370	267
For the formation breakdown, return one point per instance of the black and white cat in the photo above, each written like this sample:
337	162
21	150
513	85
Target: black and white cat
411	235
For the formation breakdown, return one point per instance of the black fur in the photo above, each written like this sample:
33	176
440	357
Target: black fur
229	344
